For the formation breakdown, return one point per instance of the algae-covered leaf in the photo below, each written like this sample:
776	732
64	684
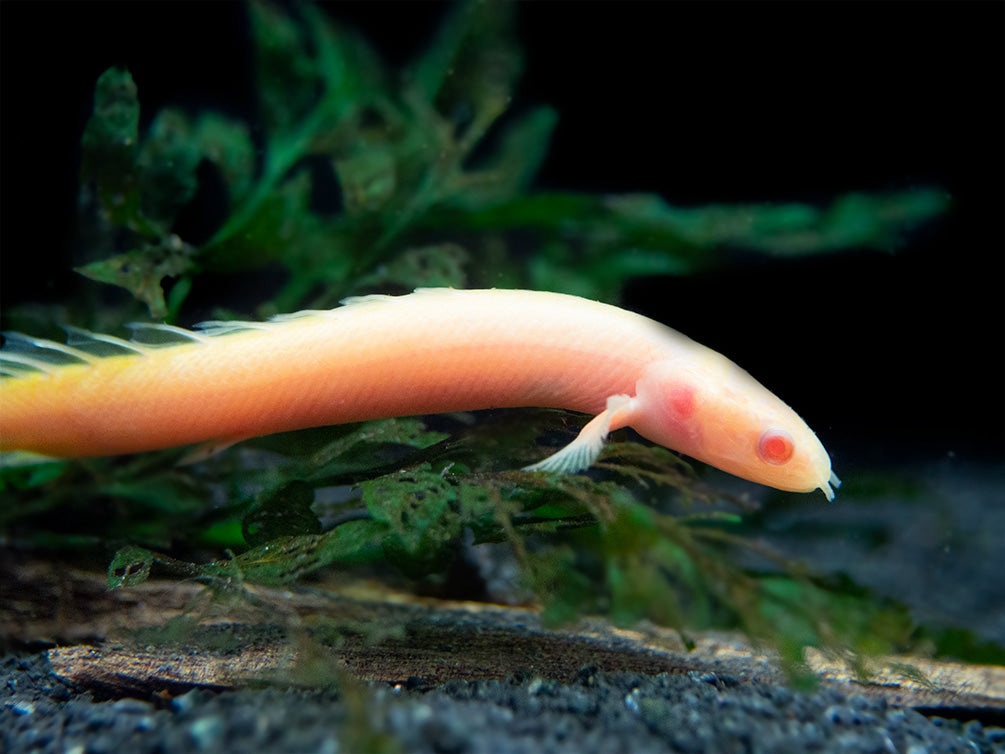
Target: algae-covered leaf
109	148
143	270
286	559
419	507
130	566
278	562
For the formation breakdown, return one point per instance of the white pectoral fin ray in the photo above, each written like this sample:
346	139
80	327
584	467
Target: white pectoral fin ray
582	452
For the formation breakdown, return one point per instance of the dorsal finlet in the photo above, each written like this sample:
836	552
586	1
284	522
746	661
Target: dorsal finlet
23	355
10	371
216	327
37	365
302	314
369	298
383	298
18	343
77	336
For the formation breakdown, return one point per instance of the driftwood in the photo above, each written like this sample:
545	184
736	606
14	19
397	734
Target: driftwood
162	638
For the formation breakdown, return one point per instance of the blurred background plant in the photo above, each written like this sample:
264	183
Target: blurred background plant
359	179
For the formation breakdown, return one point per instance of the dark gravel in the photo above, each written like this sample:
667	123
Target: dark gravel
597	713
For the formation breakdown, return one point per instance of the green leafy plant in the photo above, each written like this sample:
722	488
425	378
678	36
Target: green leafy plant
419	164
434	175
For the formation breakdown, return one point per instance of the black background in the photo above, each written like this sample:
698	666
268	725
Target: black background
888	356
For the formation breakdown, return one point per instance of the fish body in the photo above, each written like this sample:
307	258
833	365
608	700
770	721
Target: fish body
432	351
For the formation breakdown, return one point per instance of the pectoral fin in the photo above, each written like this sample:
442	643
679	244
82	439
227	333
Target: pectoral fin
582	452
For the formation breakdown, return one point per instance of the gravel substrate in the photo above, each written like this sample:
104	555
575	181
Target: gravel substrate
598	713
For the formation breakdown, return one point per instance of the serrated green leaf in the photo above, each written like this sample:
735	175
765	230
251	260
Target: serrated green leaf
143	270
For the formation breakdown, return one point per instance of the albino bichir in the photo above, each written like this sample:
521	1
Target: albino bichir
433	351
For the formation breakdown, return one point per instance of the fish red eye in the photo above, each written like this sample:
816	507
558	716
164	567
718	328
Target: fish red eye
775	446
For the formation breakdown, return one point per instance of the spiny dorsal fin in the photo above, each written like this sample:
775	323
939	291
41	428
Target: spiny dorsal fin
100	344
216	328
22	354
382	298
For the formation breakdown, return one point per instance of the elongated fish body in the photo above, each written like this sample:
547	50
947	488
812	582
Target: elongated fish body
433	351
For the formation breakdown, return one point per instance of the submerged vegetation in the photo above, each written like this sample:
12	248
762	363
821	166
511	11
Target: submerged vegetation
362	180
